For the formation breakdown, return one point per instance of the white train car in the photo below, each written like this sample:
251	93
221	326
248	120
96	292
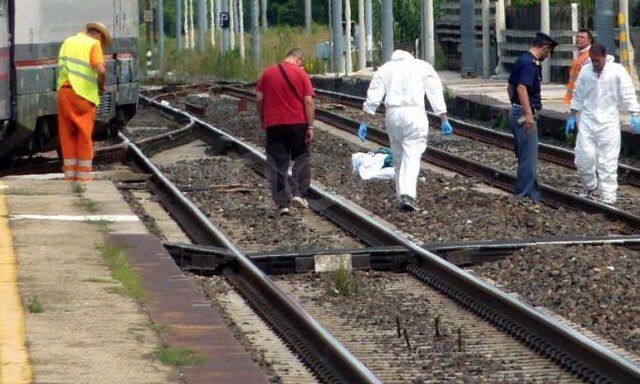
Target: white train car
31	33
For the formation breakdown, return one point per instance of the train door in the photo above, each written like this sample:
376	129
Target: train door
5	61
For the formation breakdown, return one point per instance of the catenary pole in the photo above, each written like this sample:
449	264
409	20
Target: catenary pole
232	24
501	25
468	37
212	21
545	26
241	29
160	32
338	57
627	53
331	35
347	37
186	24
264	14
368	21
178	23
387	30
486	39
604	24
362	40
307	17
255	32
192	29
429	39
202	24
224	7
218	4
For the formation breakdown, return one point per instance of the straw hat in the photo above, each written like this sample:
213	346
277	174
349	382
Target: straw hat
103	30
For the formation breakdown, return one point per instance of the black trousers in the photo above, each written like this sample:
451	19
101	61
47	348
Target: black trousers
284	143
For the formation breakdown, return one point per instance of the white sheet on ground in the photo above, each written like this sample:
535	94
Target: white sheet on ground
370	166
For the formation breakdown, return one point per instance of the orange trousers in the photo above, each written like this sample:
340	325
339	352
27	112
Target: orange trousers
76	117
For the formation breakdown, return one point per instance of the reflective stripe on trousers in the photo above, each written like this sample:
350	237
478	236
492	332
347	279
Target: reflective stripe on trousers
75	126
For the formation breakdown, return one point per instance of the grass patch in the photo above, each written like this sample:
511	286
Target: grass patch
35	306
343	282
102	224
121	270
78	188
179	357
159	328
100	280
89	205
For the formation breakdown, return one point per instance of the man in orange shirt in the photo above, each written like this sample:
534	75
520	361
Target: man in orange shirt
80	84
584	39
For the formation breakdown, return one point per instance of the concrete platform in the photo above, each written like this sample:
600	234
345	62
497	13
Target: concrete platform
63	316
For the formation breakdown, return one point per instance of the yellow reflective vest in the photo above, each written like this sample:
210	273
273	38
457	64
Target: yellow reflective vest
74	62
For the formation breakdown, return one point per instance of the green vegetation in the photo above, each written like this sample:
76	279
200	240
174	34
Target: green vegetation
121	270
88	205
179	357
100	280
78	188
159	328
343	282
275	42
102	224
35	306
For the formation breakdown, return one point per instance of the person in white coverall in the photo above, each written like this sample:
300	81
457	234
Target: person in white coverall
601	86
402	82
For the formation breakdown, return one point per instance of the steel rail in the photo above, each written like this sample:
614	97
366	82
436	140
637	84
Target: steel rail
493	176
325	355
567	347
551	153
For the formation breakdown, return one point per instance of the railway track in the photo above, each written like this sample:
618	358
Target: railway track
626	173
328	359
577	354
492	176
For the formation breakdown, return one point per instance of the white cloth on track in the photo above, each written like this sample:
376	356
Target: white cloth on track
403	82
371	166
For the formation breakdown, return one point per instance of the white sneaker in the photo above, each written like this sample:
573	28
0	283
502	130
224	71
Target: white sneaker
283	211
300	202
608	200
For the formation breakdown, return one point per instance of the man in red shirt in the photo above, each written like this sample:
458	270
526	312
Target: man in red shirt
286	109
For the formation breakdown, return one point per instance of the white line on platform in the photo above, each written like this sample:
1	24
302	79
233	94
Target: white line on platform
77	217
44	176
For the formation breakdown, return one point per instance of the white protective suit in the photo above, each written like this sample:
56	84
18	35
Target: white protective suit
598	141
404	81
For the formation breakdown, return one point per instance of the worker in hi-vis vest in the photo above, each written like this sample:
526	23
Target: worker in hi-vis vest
584	39
80	82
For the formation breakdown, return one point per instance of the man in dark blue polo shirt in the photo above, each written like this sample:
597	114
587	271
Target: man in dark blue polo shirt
524	93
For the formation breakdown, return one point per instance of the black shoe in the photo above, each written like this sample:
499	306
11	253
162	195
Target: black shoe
406	204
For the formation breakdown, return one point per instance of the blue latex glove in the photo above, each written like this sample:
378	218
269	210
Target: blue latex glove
362	131
570	126
446	128
635	124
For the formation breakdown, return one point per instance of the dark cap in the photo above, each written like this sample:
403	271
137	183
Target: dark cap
543	39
